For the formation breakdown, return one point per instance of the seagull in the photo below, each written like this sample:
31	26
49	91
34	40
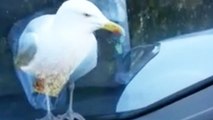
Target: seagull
56	47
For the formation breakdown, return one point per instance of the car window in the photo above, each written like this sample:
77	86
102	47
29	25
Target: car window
164	48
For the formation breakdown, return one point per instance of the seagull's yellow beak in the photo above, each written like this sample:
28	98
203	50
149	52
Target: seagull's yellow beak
113	27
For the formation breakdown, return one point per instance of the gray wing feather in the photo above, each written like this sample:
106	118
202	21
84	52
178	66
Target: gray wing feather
26	49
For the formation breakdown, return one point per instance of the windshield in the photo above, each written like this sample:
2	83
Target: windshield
163	48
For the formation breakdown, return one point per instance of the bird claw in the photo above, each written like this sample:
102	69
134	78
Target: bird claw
70	116
48	117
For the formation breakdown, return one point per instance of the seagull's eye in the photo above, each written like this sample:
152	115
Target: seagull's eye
87	15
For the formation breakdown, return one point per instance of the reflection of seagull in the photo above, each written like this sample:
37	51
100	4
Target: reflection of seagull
53	47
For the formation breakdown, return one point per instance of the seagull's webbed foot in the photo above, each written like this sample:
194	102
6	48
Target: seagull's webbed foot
49	116
70	116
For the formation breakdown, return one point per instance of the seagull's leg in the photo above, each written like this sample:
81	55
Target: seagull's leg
49	115
70	114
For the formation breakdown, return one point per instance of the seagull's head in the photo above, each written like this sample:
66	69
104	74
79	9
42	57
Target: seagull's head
85	15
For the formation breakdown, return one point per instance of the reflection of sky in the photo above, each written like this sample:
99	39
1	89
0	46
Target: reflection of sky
113	9
179	64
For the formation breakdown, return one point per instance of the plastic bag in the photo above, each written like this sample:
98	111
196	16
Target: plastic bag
108	67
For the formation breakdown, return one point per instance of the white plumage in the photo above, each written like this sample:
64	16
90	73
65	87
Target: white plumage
53	47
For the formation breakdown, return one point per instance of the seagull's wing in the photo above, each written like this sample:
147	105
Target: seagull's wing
28	39
26	49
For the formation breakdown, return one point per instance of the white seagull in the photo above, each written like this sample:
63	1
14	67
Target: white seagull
54	47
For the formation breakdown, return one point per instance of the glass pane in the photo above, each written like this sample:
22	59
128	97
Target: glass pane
133	71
